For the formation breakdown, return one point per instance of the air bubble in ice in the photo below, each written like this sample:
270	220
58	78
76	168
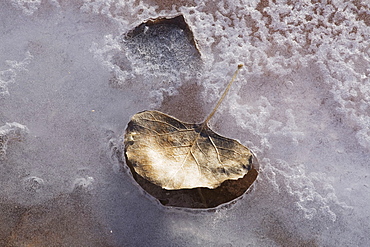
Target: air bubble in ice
33	184
84	183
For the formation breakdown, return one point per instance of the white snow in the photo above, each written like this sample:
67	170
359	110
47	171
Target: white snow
69	85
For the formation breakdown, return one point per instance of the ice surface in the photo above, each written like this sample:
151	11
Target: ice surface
8	76
69	84
10	132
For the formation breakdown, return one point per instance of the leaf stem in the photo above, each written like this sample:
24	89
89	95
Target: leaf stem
223	95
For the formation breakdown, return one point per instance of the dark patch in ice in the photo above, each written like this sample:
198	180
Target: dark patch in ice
160	27
187	104
164	45
278	230
66	220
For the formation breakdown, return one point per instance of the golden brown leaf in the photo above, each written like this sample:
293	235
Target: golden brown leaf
177	155
174	155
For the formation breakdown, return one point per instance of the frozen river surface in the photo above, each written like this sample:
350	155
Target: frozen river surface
70	79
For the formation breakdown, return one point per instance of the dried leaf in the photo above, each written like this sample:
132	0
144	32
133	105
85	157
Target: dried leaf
177	155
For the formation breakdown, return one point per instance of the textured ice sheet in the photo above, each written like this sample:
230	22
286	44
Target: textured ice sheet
8	75
301	103
10	132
